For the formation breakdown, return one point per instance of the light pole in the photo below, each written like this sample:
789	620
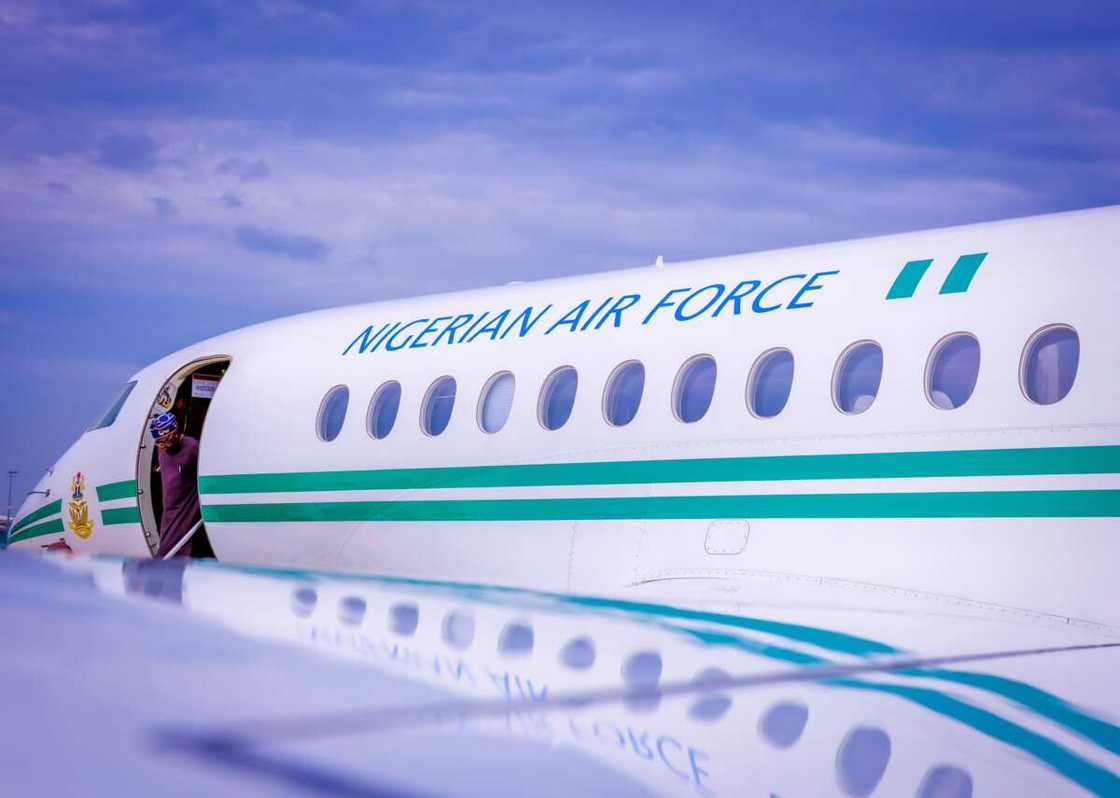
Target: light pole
11	475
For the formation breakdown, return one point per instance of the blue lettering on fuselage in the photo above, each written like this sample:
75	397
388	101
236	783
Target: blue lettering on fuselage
680	305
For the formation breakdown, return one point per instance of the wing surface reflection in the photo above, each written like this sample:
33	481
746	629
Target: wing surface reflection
689	699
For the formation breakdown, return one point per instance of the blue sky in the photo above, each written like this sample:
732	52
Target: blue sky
172	171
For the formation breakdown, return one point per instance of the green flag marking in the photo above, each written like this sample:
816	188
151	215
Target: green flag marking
957	282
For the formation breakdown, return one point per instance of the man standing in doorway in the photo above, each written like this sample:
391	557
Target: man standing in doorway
178	469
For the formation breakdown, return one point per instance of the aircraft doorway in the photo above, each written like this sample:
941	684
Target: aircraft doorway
187	395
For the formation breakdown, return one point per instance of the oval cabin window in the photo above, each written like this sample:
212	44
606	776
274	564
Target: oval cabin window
438	404
858	374
623	395
952	371
383	409
770	382
497	399
692	394
332	413
558	395
1050	364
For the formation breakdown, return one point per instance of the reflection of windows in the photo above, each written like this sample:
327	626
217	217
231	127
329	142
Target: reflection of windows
782	724
642	674
1050	364
404	618
952	370
558	394
692	394
458	629
945	781
858	373
516	639
115	408
383	409
438	404
332	412
623	394
304	600
351	610
770	382
578	653
496	401
710	705
862	760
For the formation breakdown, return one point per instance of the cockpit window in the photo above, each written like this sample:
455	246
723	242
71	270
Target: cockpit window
115	408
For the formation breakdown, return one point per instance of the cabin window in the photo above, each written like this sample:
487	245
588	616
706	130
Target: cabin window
114	410
952	370
855	384
623	394
1050	364
383	409
558	395
695	384
496	401
769	383
438	404
332	412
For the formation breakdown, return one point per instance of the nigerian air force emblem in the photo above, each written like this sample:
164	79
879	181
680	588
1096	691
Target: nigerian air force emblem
80	522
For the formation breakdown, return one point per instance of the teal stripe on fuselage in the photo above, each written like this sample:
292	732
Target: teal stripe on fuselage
964	504
872	465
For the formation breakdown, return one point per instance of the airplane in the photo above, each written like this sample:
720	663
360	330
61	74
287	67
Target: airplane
876	433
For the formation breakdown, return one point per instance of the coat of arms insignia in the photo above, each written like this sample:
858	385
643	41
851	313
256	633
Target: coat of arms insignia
80	522
164	399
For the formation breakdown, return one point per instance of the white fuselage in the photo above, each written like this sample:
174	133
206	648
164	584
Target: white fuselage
1000	501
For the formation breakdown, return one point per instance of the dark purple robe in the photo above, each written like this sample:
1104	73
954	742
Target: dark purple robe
178	472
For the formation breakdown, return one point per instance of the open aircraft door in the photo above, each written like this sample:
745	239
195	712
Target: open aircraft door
188	394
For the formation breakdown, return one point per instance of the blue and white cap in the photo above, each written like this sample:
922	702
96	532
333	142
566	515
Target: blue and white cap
162	424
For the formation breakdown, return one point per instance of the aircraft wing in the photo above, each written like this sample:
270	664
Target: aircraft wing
173	678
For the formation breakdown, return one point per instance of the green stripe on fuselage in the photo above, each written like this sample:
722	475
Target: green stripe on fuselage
120	515
46	528
117	490
873	465
968	504
46	510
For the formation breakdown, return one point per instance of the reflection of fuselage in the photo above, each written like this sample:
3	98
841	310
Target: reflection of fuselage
937	461
941	730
